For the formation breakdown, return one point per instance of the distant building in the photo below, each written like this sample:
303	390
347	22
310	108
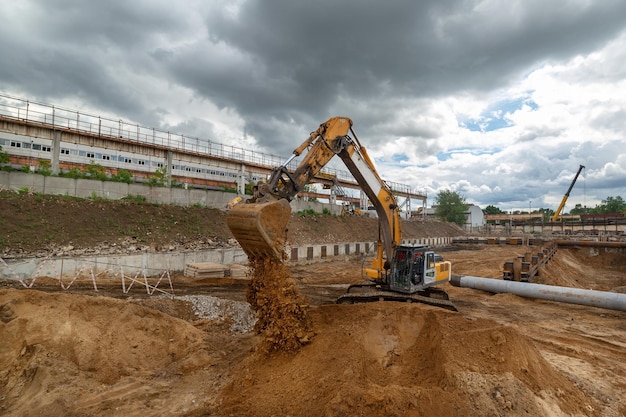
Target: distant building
474	216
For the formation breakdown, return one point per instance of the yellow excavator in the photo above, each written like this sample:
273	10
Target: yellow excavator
398	272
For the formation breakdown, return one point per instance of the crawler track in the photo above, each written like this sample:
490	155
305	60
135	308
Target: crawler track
433	297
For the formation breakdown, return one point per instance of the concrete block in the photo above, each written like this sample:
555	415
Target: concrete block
198	197
88	188
114	190
179	196
138	189
160	195
234	256
20	180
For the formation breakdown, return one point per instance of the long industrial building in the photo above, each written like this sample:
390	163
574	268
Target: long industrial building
37	135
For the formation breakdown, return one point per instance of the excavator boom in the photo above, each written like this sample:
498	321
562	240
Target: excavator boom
257	224
260	224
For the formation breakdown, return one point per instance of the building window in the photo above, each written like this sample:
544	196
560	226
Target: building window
140	162
36	147
65	151
46	148
106	157
16	144
91	155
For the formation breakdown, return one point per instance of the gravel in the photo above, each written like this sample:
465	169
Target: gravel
213	308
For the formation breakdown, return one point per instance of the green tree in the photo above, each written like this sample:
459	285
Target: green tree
610	205
614	205
578	209
451	207
547	214
493	210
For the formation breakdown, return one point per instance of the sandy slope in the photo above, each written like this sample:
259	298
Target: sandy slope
70	354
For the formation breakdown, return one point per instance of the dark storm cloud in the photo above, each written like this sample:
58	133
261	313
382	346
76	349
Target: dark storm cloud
81	49
294	60
303	57
275	69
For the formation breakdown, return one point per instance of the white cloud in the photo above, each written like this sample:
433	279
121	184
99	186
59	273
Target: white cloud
502	109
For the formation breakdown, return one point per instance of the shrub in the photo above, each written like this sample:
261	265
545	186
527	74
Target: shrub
122	176
44	168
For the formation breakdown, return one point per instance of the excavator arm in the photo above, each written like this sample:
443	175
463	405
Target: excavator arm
259	225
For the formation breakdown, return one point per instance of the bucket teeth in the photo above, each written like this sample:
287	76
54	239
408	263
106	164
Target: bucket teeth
261	228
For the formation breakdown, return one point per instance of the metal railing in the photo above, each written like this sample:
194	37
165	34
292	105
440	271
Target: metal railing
59	117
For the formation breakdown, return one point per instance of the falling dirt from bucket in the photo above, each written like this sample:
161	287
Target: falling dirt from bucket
281	309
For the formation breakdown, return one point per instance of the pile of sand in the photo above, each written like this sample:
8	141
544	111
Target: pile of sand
403	360
75	355
59	350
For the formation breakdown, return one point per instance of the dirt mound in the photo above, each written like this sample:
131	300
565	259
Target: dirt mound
30	226
403	360
577	267
58	350
331	229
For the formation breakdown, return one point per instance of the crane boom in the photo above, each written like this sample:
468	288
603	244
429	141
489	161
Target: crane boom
565	197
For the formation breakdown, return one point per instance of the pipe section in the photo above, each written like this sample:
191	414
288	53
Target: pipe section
602	299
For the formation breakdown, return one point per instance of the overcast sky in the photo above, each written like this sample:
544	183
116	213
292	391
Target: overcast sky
498	100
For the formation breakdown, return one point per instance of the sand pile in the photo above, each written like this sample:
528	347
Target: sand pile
58	351
403	360
281	309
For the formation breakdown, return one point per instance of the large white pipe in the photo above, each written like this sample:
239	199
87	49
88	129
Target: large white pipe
602	299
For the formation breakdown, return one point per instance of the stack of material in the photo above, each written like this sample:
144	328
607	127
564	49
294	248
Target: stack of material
214	270
238	271
207	270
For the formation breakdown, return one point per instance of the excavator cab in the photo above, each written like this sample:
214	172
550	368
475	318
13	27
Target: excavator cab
413	268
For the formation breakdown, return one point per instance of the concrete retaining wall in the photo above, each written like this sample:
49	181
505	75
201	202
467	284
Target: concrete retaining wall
155	263
110	190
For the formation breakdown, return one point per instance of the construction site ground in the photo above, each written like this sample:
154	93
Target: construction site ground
82	352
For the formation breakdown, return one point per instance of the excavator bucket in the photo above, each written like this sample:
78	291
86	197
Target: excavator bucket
260	228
